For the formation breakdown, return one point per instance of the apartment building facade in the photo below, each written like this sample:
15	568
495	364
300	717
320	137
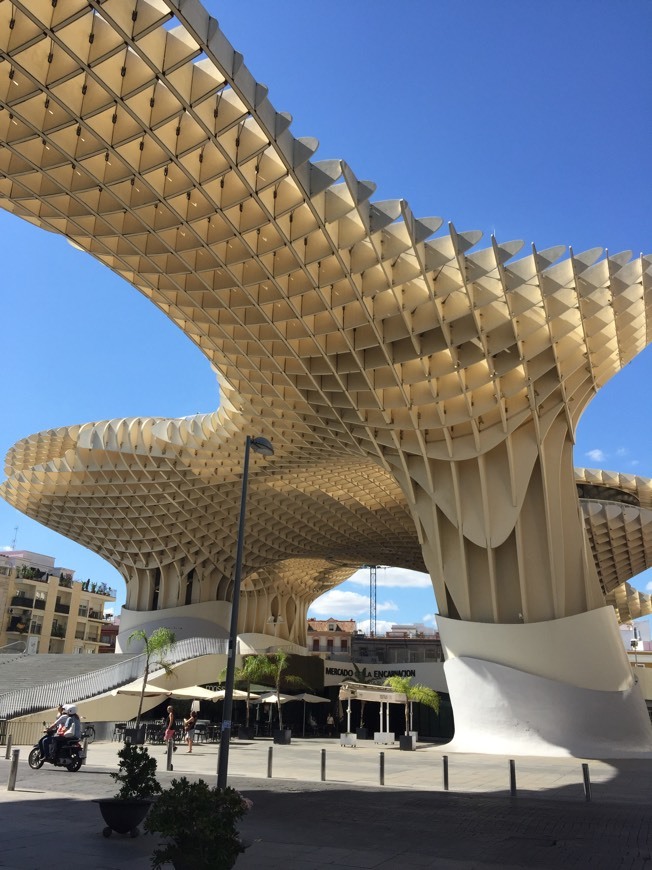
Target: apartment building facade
330	638
45	610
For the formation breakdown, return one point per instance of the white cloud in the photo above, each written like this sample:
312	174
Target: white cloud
648	586
622	451
429	619
634	462
382	626
596	455
386	605
391	578
340	604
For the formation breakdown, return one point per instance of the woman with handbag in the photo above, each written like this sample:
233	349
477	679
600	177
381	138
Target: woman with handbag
189	728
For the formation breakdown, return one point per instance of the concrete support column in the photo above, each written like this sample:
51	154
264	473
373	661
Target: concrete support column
537	688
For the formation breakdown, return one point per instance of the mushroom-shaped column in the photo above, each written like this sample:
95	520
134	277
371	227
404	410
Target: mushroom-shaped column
493	493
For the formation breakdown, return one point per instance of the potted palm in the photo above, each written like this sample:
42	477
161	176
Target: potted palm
274	669
138	787
414	693
255	669
364	678
199	826
155	647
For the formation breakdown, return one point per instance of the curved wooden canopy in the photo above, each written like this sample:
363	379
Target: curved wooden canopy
421	391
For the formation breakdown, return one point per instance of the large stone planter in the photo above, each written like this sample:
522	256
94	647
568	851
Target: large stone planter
362	733
384	737
135	735
408	742
245	733
283	737
348	740
123	816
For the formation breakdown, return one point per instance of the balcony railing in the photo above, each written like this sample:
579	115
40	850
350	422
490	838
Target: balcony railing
79	635
99	589
39	603
62	608
58	631
22	601
95	614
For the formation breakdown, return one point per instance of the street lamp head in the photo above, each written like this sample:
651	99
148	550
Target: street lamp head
261	445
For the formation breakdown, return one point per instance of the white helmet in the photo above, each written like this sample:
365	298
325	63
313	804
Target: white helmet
71	709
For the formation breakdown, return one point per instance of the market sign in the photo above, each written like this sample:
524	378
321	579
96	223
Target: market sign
428	673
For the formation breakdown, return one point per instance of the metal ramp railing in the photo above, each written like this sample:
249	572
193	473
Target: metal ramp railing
21	702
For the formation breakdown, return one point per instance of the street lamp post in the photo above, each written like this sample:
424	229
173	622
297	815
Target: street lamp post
264	447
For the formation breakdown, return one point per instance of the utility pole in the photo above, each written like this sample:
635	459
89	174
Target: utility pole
372	599
373	577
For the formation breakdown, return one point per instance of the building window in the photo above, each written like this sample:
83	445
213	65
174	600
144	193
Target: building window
344	644
331	626
329	645
315	644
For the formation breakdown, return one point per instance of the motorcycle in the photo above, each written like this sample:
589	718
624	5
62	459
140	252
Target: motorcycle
70	756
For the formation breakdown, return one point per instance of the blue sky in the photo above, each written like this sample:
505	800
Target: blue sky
527	120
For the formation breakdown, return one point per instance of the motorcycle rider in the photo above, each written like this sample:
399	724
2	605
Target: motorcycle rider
45	742
72	731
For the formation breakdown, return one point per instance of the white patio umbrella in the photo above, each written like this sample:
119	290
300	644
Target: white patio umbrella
193	692
237	696
273	699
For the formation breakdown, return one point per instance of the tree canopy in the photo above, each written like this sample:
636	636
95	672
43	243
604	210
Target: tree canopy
414	692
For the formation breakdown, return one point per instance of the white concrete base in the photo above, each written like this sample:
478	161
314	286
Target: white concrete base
348	740
591	708
386	737
208	619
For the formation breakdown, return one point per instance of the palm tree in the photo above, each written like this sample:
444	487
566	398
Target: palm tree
255	669
413	693
365	678
156	646
273	668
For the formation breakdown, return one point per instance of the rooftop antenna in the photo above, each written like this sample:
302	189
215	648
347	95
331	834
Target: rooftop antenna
13	542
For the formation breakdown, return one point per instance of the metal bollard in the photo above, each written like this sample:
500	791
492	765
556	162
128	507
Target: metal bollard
170	766
323	765
512	777
13	770
84	750
382	768
587	782
8	752
270	752
444	759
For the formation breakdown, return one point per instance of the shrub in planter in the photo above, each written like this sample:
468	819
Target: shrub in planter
199	823
138	784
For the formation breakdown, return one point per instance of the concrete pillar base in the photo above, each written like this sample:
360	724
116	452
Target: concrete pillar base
562	687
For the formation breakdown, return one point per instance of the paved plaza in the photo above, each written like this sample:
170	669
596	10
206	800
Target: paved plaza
350	820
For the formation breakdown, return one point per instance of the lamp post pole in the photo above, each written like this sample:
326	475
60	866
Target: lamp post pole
263	446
